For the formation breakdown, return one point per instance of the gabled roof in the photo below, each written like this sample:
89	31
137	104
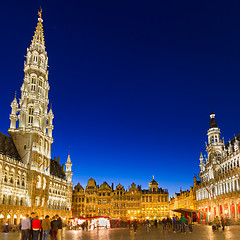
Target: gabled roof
104	185
8	148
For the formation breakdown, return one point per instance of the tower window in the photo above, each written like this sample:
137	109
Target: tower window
33	84
30	115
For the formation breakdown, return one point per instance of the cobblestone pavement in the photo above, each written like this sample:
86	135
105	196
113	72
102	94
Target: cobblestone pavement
199	233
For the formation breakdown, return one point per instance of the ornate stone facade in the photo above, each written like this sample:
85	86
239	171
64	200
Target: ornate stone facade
29	179
104	200
218	191
183	200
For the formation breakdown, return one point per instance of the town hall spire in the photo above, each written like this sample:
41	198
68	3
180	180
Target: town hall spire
32	122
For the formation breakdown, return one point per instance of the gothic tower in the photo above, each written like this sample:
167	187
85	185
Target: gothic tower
31	122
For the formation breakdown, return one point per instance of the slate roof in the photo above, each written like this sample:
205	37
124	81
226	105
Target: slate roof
56	169
8	148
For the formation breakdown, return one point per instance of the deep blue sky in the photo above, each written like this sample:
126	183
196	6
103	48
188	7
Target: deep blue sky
131	82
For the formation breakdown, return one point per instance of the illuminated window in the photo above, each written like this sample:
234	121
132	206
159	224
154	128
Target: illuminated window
33	84
30	115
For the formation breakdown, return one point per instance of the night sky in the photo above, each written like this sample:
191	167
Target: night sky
131	82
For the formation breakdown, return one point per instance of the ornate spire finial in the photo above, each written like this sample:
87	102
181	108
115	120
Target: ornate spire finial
153	176
38	42
40	13
15	94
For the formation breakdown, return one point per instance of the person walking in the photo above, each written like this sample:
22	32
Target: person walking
25	227
54	228
59	232
36	227
183	221
46	227
189	221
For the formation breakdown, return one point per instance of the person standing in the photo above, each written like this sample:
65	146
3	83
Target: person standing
54	228
189	221
46	226
223	222
59	232
41	219
135	225
25	227
183	221
174	223
164	223
217	222
36	227
31	231
147	225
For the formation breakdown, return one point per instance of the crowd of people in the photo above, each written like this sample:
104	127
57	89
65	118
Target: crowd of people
33	228
174	224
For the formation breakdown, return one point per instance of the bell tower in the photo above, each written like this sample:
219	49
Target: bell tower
215	143
31	122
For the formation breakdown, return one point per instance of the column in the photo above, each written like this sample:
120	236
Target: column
217	210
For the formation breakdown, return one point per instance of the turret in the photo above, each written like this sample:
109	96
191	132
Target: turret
236	144
202	165
50	121
153	185
213	132
215	143
68	171
13	116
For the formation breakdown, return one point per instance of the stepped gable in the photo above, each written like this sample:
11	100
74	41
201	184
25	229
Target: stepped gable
8	148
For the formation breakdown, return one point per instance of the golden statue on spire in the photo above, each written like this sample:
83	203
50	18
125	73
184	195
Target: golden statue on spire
40	13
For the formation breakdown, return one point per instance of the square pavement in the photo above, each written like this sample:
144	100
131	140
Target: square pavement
199	233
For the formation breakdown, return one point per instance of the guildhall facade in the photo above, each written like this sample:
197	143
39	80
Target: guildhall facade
126	204
30	181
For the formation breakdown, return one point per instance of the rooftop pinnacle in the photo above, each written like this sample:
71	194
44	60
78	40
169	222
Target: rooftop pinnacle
38	42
